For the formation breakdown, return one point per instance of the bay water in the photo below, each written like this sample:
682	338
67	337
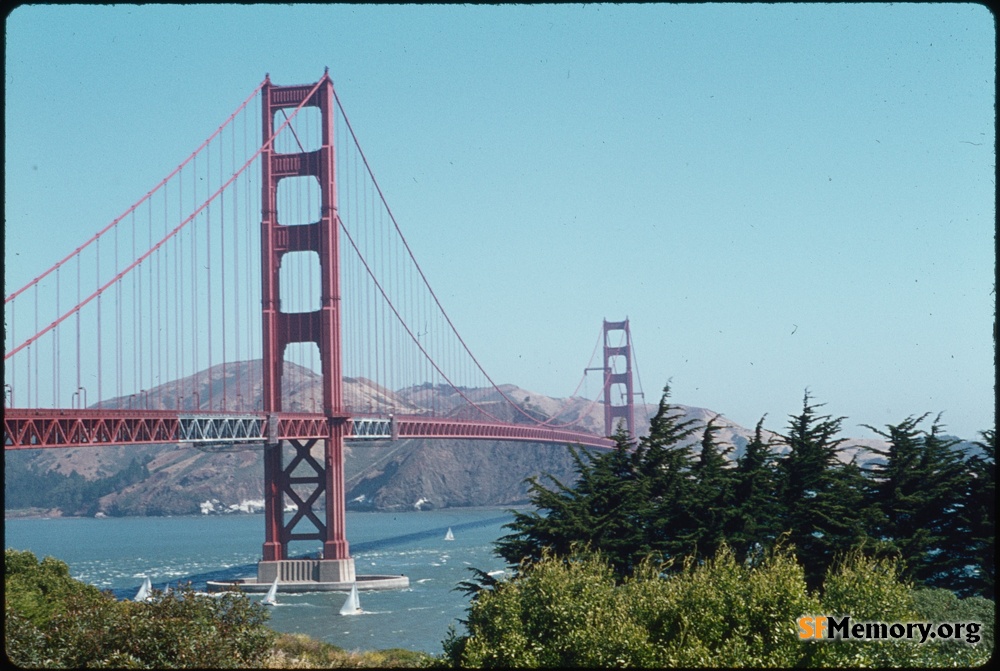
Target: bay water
117	553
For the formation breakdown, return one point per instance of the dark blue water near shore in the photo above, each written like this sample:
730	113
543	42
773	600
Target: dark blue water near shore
117	553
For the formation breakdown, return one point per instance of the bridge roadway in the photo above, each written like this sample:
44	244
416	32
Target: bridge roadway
60	428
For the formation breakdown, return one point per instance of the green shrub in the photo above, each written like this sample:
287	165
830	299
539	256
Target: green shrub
716	613
571	613
724	613
53	620
869	590
553	614
941	605
36	590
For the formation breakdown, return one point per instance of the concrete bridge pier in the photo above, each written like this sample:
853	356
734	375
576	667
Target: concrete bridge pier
307	570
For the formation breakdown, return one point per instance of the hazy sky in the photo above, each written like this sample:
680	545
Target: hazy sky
778	197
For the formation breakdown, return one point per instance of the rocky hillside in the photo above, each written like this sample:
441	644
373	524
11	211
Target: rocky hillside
381	475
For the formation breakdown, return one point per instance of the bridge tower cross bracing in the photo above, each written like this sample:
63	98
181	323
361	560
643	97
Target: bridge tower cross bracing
321	327
620	382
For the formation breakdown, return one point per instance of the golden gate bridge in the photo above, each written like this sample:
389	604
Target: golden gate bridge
273	243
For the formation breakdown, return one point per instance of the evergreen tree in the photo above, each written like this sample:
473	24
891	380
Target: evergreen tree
850	530
981	516
562	524
618	505
712	493
631	502
26	487
817	492
664	460
946	486
918	495
601	510
897	494
754	524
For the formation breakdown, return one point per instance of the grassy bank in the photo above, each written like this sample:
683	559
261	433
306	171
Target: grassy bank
298	651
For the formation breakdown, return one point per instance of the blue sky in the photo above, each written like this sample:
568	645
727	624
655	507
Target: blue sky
779	197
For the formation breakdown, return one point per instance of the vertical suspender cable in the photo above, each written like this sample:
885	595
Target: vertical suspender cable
208	273
137	316
158	347
119	367
236	276
246	320
79	362
100	367
55	352
150	304
30	380
195	391
166	370
178	292
222	277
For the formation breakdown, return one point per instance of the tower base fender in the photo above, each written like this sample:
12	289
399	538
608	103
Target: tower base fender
306	570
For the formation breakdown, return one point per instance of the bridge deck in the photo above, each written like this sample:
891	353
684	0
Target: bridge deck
33	429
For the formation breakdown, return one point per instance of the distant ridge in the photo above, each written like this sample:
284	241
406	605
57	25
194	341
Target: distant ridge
405	475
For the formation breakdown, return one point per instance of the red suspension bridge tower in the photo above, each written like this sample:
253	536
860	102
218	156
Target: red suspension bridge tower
619	383
321	327
161	287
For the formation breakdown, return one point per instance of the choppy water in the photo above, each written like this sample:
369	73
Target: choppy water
117	553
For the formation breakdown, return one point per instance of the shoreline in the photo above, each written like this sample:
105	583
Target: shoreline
56	513
35	513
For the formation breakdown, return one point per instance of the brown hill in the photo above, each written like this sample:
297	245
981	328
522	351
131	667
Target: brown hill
379	475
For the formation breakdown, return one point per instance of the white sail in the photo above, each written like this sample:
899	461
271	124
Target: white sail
143	593
353	605
449	536
270	598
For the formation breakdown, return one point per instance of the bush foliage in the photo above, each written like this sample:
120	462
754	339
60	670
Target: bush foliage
52	620
719	612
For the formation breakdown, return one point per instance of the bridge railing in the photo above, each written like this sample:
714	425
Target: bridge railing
33	429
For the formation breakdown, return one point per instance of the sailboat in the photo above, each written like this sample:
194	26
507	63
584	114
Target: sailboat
449	536
353	605
269	598
143	593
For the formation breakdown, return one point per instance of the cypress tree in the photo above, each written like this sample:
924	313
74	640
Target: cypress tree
946	488
629	503
602	511
564	522
896	494
919	495
712	493
754	524
981	517
664	461
848	528
618	506
817	492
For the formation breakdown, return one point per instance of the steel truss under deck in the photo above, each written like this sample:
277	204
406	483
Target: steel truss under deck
33	429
